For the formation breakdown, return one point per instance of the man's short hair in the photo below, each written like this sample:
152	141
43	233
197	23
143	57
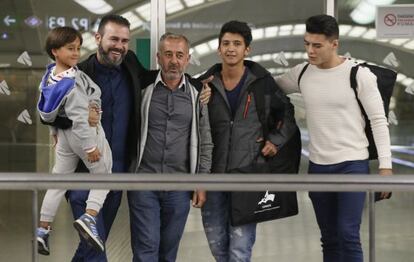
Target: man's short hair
237	27
169	35
323	24
117	19
60	36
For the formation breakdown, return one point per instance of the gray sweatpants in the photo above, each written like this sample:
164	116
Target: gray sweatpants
67	154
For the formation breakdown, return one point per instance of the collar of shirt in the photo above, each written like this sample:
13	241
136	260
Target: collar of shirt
181	86
106	69
69	73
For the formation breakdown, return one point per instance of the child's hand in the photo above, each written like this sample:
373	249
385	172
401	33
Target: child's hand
94	115
94	156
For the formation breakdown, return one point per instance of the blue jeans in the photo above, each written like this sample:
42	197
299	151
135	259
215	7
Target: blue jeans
339	214
227	243
157	220
106	217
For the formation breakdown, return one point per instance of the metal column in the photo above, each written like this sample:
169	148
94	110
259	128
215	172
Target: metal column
157	28
331	8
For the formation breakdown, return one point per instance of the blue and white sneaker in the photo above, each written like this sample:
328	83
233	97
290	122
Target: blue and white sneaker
86	226
43	241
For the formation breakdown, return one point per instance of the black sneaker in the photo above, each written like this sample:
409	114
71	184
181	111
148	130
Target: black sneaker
43	241
86	226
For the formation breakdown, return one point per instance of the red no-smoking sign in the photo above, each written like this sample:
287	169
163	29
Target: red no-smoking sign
390	19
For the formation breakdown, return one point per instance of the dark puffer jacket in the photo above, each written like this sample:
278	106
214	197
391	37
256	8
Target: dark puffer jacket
235	140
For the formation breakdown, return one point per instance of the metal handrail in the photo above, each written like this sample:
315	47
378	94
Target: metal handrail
212	182
220	182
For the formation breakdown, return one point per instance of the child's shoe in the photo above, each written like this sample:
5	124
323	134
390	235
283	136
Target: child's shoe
43	241
86	226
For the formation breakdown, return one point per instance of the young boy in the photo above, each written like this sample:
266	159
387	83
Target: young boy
237	134
68	92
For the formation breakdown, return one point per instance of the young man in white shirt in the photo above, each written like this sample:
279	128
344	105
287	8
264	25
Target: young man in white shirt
338	143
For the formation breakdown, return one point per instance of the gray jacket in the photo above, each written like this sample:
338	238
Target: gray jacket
201	145
74	105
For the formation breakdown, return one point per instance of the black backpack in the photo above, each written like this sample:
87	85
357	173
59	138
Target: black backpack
385	81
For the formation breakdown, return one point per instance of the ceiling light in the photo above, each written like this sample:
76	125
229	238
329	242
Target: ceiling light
256	58
258	33
213	44
95	6
144	11
408	81
401	77
133	19
202	49
370	34
173	6
409	45
399	41
88	41
266	57
190	3
285	30
365	11
271	31
357	31
299	29
344	29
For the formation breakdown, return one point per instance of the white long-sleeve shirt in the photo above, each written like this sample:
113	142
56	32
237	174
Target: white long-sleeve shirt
334	118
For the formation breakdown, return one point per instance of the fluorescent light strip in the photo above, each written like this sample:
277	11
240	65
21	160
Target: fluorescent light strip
202	49
191	3
344	29
399	41
213	44
95	6
285	30
370	34
133	20
173	6
271	31
144	11
409	45
258	34
88	41
400	77
357	31
407	81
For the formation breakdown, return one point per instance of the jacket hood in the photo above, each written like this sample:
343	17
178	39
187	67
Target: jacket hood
256	69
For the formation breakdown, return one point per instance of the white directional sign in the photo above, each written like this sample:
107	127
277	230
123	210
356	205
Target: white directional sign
395	21
8	20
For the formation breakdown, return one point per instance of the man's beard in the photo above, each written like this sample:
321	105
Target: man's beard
107	60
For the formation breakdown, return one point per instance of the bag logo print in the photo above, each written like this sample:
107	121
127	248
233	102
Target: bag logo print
267	197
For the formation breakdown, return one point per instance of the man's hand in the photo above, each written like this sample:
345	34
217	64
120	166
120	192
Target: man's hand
385	172
269	149
94	115
199	198
94	156
206	91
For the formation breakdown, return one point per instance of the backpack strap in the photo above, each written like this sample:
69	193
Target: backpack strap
353	82
301	73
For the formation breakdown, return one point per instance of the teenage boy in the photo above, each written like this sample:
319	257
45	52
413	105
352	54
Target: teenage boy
237	134
338	144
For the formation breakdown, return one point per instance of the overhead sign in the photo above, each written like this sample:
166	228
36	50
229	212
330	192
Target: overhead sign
395	21
79	23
